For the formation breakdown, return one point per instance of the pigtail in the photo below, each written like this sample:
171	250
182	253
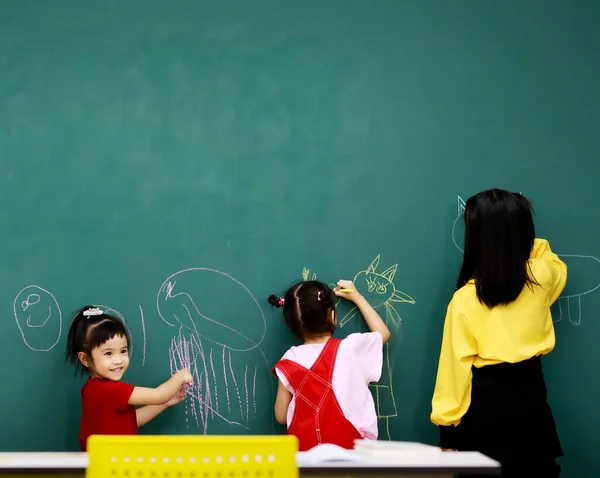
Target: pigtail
326	298
325	295
276	301
76	336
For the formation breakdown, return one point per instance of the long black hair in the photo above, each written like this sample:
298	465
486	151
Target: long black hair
90	329
307	308
499	236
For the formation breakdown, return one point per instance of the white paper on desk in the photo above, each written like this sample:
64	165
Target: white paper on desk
327	453
74	460
397	451
393	445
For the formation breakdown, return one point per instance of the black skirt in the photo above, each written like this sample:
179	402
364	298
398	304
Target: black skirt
510	420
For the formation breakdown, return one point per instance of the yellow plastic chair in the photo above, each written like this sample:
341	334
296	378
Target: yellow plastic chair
185	456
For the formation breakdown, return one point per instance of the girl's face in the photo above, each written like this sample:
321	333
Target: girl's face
110	360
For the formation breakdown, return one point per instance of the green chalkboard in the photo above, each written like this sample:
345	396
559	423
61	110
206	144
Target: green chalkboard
177	162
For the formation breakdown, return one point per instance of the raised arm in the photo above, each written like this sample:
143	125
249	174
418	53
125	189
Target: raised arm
558	269
372	318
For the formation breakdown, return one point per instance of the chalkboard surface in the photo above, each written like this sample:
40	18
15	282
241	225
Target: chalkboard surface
177	162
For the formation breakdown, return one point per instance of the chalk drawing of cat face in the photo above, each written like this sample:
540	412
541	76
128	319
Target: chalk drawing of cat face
379	289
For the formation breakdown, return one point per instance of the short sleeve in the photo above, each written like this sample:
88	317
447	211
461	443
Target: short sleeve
117	394
283	379
369	349
282	376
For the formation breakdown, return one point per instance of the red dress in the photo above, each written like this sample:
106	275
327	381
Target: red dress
318	417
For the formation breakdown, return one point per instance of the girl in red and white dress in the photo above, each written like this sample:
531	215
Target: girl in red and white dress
323	394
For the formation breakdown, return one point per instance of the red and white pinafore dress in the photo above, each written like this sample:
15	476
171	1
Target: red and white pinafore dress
318	417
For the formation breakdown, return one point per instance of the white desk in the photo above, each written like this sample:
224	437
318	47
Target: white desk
71	465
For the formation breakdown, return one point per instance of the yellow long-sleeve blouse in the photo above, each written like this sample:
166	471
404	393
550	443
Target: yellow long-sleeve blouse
477	335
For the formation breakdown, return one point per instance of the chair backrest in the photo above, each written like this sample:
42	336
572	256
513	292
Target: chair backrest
186	456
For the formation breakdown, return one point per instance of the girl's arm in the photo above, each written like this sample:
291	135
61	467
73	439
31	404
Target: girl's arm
541	250
372	318
161	394
452	391
282	402
147	413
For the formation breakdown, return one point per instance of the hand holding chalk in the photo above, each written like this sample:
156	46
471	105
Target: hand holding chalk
347	290
186	377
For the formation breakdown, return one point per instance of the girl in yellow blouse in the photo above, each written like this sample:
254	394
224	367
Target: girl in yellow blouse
490	393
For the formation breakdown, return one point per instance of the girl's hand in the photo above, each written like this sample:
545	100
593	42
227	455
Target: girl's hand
347	284
372	318
177	398
185	376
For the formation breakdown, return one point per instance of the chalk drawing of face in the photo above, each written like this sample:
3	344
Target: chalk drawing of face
38	318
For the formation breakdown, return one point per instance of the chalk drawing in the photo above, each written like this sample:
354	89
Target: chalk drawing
143	336
219	322
456	228
188	353
381	292
379	289
254	390
579	284
38	317
306	274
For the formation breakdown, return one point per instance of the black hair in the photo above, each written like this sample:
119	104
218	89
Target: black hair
307	308
90	331
499	237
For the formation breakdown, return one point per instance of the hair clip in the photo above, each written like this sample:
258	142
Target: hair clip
92	311
319	295
281	302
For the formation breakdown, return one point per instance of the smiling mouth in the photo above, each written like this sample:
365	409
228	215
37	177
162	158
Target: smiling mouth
116	370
